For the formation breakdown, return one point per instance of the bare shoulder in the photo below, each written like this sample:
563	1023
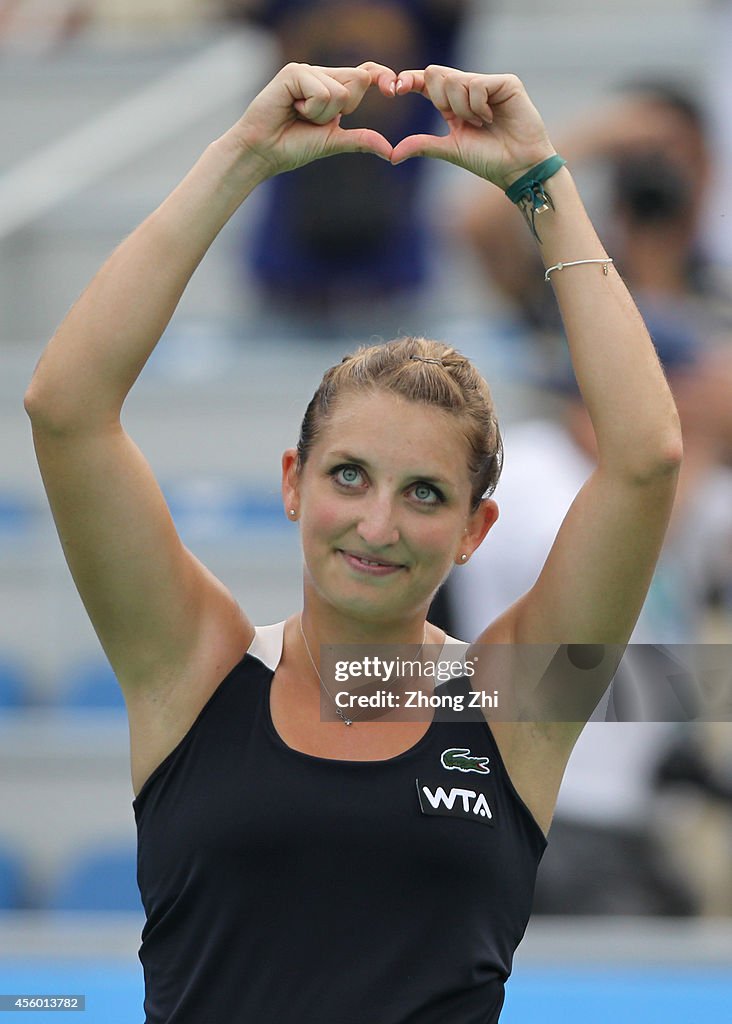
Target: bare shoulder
161	713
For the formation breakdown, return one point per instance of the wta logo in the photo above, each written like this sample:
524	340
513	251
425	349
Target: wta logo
457	803
461	760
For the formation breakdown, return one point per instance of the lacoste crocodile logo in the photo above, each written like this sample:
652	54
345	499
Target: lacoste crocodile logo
459	758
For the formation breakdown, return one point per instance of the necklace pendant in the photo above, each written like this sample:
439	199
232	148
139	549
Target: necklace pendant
348	721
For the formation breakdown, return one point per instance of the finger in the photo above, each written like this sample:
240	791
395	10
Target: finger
356	80
411	81
358	140
498	88
435	79
429	83
438	146
317	97
422	81
458	96
479	102
382	76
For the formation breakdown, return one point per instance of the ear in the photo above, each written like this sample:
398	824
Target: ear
478	525
291	483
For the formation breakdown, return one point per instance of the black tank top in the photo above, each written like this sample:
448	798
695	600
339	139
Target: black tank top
284	888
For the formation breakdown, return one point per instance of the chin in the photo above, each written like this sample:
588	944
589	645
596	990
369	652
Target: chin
373	607
372	599
372	604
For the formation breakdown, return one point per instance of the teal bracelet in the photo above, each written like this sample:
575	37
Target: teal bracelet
529	193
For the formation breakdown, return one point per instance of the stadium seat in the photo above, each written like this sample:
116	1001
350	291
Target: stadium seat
17	515
102	878
14	683
219	509
13	882
90	683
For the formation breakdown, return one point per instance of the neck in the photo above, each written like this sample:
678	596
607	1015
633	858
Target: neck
325	624
347	715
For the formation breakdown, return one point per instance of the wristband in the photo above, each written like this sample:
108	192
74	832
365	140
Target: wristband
528	191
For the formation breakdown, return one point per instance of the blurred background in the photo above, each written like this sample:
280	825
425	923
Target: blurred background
104	105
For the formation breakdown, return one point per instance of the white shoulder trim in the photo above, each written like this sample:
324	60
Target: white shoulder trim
268	643
269	640
457	658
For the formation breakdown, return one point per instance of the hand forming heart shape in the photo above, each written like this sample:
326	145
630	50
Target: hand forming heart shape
494	129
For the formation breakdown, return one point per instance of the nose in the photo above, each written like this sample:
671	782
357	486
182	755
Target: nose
377	526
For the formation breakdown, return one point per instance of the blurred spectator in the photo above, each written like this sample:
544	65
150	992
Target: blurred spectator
718	76
37	26
686	764
149	13
651	146
696	775
548	460
351	233
40	26
606	853
614	846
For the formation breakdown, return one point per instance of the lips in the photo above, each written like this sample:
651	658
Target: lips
372	566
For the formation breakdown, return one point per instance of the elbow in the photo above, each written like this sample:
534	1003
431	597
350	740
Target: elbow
36	399
45	415
36	407
670	449
663	460
645	457
76	415
31	402
673	454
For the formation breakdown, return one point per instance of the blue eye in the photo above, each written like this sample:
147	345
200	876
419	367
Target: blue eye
426	494
347	476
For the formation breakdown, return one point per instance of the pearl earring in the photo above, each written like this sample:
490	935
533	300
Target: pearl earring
463	558
293	513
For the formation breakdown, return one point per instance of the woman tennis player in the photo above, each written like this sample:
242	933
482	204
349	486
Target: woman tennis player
292	868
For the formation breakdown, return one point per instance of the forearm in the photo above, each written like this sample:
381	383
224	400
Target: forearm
623	386
498	234
96	355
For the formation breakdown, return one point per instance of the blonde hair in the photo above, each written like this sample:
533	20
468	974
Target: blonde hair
424	371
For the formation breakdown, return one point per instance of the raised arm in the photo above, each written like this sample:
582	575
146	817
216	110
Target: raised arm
596	577
597	574
152	604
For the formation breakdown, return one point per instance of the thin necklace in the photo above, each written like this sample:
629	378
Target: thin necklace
339	711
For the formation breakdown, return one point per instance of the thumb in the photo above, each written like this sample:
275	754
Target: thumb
436	146
359	140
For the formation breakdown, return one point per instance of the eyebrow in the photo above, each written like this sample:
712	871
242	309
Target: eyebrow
428	478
